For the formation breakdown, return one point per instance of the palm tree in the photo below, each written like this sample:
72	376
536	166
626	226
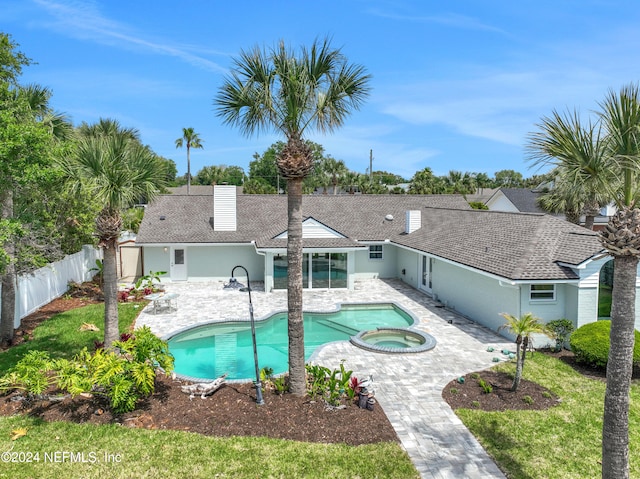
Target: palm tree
277	90
523	328
117	170
563	198
334	170
190	139
582	174
621	117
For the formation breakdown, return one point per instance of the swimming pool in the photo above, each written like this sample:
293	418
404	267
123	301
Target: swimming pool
208	351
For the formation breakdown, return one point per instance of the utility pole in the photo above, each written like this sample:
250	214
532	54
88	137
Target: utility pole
371	166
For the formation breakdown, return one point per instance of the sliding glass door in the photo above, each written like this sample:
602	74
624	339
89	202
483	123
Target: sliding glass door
319	271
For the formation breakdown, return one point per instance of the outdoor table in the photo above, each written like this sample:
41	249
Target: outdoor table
163	301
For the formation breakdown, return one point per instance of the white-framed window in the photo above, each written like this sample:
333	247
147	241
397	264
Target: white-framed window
542	292
375	251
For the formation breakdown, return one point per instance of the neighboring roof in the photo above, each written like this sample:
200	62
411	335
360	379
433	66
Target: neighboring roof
525	200
481	195
516	246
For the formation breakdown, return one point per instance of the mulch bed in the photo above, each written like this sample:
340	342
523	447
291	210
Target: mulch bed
230	411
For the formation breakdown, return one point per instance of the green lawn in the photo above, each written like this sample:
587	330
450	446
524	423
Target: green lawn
564	441
57	450
61	335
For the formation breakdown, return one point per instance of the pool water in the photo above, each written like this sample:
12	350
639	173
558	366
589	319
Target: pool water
206	352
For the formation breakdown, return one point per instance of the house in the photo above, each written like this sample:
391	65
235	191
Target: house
526	201
522	200
477	262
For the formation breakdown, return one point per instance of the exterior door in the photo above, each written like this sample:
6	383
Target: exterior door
178	264
425	277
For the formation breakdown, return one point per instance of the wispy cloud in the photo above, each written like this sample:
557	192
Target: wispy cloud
453	20
82	19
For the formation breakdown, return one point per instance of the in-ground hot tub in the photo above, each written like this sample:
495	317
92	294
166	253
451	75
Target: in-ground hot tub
394	340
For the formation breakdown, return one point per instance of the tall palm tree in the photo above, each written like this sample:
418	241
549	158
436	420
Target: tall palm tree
190	139
523	328
621	117
578	151
117	170
277	90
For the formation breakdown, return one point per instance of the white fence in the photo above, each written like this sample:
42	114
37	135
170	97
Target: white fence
39	287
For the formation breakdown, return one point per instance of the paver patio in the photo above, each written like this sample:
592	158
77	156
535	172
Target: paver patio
408	386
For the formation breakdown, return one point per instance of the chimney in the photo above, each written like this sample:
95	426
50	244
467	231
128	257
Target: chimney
224	208
413	221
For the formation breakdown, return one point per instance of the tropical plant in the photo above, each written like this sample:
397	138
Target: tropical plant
277	90
579	154
190	139
425	183
329	385
523	328
147	281
334	170
118	170
124	374
99	269
29	374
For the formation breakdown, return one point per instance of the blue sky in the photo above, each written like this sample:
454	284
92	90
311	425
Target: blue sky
455	85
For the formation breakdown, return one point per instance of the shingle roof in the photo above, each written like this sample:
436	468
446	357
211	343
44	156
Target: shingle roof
516	246
524	199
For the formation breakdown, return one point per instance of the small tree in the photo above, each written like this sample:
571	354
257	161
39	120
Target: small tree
560	330
523	327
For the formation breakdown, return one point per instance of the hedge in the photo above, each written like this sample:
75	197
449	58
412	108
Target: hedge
590	344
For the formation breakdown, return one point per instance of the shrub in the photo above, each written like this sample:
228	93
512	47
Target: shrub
124	374
29	374
527	399
329	385
560	329
590	344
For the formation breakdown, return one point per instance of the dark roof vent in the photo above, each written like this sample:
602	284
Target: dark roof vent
162	218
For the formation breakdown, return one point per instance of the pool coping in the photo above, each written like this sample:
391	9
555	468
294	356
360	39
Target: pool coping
429	342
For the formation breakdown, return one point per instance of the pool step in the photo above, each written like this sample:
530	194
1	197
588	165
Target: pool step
338	326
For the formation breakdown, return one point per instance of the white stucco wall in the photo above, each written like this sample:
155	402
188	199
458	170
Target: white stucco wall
154	258
545	310
365	268
409	262
207	263
476	296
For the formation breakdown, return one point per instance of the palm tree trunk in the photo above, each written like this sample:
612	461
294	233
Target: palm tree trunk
188	172
615	430
110	287
8	310
297	380
519	361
